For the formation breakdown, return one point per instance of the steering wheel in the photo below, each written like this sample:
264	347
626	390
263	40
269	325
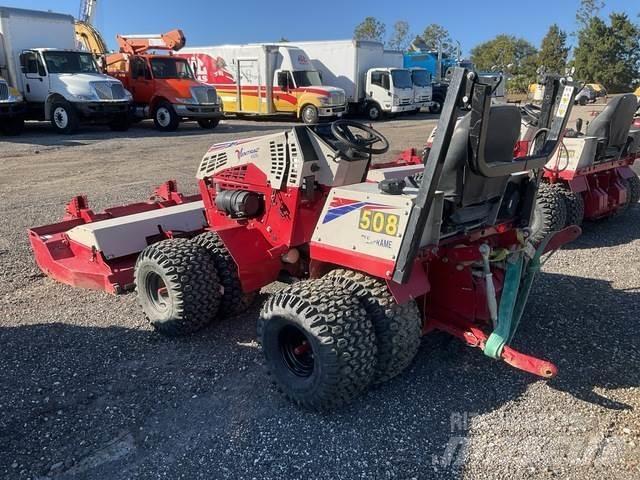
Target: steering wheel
347	132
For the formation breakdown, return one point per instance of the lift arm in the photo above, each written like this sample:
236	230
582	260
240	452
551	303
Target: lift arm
138	44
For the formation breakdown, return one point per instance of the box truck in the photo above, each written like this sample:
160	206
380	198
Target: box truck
373	78
38	57
11	109
266	79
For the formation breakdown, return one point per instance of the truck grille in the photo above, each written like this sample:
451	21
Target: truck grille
204	95
4	91
109	90
405	101
337	98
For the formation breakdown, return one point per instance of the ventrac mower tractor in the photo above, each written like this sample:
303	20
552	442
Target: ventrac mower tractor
590	176
375	257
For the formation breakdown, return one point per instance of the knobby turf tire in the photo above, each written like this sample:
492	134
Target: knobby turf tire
234	300
574	204
398	328
341	339
550	212
634	189
192	287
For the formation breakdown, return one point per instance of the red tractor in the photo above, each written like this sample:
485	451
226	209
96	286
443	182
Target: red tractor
590	176
375	258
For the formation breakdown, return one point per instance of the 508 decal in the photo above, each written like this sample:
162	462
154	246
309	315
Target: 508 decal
379	222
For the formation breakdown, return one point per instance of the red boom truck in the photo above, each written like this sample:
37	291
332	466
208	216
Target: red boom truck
163	86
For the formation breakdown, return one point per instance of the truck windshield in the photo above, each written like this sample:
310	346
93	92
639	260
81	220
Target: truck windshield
309	78
421	78
70	62
171	68
401	79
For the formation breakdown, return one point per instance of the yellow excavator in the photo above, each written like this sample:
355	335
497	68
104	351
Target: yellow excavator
87	36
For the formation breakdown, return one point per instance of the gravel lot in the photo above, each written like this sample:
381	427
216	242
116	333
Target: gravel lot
88	391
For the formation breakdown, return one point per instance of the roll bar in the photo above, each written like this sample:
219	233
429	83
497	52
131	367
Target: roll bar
466	91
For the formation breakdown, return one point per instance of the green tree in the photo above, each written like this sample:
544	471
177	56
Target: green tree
508	54
609	54
370	29
437	36
400	37
588	10
554	51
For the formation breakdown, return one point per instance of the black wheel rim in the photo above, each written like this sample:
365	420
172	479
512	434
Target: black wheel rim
157	292
296	351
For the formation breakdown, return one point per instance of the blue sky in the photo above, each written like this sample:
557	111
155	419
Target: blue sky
207	22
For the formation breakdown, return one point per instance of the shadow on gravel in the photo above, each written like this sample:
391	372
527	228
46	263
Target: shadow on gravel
95	403
609	232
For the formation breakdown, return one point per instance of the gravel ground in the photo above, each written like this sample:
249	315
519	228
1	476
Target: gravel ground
88	391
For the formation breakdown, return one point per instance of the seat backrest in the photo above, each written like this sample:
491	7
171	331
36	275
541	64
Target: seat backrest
459	182
613	123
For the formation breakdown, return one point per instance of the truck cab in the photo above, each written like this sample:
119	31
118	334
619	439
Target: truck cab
164	86
389	91
11	109
67	87
422	88
296	77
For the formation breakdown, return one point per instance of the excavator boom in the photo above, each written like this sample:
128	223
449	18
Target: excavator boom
138	44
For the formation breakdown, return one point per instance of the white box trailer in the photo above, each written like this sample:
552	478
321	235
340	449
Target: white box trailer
266	79
373	78
38	57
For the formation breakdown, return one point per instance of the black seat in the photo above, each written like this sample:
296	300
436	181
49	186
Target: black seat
612	126
471	197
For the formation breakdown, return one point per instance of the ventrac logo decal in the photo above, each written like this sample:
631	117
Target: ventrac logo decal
341	206
241	152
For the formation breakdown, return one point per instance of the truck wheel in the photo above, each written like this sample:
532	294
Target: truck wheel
634	189
310	115
178	287
550	212
436	107
373	112
574	203
209	123
64	117
398	328
234	300
165	117
319	344
121	123
12	126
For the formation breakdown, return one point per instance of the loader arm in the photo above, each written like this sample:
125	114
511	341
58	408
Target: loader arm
138	44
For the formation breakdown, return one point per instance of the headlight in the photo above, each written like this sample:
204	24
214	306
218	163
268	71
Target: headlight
325	100
189	100
128	95
396	100
84	98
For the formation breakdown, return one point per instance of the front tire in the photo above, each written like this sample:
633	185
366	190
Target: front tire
177	286
234	300
310	115
165	117
208	123
550	212
398	328
373	112
319	344
64	117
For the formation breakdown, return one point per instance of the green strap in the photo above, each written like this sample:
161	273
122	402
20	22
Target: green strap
508	299
515	294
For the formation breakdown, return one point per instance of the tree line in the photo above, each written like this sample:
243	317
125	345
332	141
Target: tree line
607	50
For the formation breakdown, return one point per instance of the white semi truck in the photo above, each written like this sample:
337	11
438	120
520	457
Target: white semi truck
38	57
373	78
266	79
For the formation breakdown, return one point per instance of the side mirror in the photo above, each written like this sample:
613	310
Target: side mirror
579	125
23	69
41	70
147	75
